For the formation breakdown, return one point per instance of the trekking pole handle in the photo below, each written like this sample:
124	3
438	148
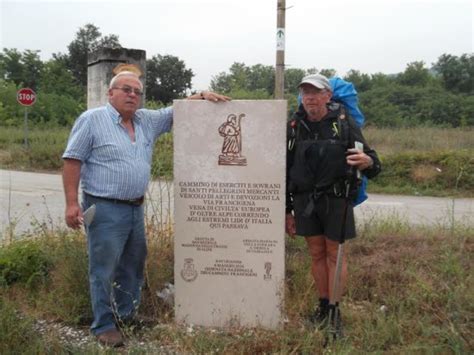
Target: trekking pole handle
359	146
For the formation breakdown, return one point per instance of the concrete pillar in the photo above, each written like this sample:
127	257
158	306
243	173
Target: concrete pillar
99	71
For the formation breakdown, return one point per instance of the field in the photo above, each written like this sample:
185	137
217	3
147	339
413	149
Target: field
419	139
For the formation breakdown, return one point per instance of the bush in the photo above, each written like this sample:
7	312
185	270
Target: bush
50	109
401	105
24	262
162	163
66	296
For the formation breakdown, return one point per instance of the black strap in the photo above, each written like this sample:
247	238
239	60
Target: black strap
132	202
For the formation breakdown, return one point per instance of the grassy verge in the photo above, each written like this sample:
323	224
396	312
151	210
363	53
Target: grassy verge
410	290
437	173
16	332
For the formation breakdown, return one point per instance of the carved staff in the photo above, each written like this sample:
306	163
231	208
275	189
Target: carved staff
242	115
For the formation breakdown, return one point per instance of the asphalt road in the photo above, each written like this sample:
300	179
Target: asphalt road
35	201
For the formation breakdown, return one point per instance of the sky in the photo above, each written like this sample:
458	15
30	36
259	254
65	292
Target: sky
210	35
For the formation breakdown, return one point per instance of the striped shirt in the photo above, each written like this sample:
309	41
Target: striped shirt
112	165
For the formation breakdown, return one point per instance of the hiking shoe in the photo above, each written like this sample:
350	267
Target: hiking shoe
111	338
335	322
320	315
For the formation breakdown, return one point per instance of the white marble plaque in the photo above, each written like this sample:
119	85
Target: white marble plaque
229	186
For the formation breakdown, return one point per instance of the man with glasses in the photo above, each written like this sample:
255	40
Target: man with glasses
110	151
322	164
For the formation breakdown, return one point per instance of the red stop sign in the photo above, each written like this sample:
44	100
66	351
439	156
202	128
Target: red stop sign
26	97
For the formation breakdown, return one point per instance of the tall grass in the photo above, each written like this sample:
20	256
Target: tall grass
43	152
419	139
17	335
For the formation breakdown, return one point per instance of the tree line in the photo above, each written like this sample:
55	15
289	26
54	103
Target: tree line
438	95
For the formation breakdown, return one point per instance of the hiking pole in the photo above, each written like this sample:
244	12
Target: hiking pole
334	313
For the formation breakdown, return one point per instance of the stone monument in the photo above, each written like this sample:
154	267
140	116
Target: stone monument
99	71
229	186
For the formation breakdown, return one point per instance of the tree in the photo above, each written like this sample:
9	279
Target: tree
242	78
56	79
88	39
381	79
236	79
32	68
328	73
222	83
415	74
239	73
398	105
23	69
362	82
457	73
293	78
256	78
167	78
11	67
261	77
11	112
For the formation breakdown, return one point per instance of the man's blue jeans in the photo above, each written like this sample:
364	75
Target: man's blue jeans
117	252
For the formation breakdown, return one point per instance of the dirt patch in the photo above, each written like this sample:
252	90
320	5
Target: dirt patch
425	173
5	157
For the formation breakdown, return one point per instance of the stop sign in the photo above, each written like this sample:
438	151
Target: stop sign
26	97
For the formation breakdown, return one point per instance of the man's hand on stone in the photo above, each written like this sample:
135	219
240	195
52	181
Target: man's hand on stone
212	96
209	96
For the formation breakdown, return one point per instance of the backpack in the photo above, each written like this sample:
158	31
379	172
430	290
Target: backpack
345	93
319	164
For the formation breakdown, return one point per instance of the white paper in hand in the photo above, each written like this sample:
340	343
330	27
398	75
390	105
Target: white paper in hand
89	215
360	147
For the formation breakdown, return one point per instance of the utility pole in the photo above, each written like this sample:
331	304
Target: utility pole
280	51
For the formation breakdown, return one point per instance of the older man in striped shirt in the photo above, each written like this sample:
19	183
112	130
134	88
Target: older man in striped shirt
109	151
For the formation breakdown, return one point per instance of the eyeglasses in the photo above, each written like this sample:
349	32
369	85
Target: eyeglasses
312	92
128	90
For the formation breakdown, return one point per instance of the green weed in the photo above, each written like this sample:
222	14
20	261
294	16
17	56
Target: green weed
66	295
17	335
25	262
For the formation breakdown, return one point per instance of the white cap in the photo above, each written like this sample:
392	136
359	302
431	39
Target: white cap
317	80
